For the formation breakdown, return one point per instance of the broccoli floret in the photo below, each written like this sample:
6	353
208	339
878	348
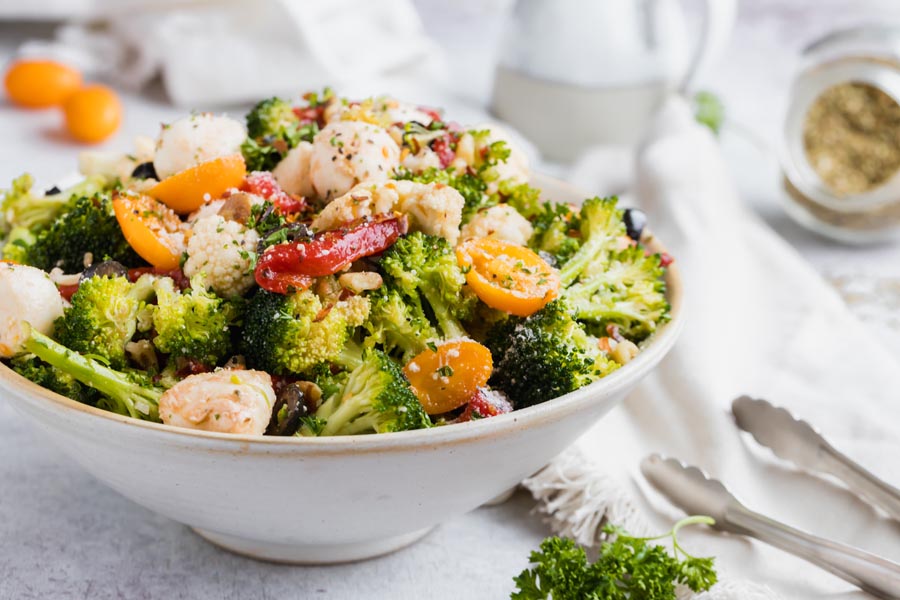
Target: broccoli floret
329	380
294	333
21	208
193	324
273	128
260	156
376	398
604	282
556	232
523	197
601	227
628	291
491	154
18	242
422	266
317	99
48	376
104	316
88	224
397	325
275	117
127	393
544	356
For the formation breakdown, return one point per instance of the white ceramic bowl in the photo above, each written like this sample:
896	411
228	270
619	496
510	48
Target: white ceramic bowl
323	500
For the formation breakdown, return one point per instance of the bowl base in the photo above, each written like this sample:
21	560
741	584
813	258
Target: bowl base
310	554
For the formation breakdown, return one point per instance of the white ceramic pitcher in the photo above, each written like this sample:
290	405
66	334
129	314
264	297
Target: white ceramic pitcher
576	73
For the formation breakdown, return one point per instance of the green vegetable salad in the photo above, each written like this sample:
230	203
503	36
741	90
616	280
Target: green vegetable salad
324	267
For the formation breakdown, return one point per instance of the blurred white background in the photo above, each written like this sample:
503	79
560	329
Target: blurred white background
104	537
752	77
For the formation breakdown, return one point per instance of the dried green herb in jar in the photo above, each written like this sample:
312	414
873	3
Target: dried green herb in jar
851	136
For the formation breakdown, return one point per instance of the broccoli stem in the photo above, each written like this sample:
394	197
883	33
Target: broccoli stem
339	422
350	356
39	211
448	324
131	398
585	289
582	258
351	402
612	313
143	288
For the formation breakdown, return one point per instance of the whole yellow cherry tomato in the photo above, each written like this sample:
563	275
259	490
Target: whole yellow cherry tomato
93	113
40	83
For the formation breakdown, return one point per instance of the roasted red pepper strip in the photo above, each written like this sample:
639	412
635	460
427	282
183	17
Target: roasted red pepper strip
294	265
263	183
443	147
68	290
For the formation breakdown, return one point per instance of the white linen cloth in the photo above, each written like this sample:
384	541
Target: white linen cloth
222	52
759	321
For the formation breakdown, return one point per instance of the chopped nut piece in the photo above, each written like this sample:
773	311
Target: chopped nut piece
360	282
624	351
237	207
143	354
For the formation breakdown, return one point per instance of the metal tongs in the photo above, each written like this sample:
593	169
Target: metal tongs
797	441
695	492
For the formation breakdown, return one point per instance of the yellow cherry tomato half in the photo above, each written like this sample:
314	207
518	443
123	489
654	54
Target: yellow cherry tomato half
92	114
151	228
40	83
448	376
188	190
508	277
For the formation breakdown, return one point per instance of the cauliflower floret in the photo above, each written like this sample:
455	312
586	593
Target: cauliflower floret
347	152
27	296
426	158
432	208
501	222
114	164
292	173
223	250
197	138
397	111
206	210
469	150
226	401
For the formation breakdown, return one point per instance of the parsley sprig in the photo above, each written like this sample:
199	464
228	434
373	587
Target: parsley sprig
628	568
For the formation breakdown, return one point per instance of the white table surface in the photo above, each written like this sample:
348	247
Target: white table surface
64	535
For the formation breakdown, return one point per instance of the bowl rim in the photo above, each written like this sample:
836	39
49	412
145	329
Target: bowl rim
657	345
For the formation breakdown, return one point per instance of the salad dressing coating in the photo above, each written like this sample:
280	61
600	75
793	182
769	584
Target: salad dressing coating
333	267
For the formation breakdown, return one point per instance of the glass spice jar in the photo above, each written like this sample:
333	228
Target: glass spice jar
841	158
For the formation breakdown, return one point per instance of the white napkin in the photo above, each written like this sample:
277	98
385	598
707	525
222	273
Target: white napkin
216	52
759	321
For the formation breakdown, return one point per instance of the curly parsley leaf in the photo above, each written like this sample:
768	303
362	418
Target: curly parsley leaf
709	110
627	568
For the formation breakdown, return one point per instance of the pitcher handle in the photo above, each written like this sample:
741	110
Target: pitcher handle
718	21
